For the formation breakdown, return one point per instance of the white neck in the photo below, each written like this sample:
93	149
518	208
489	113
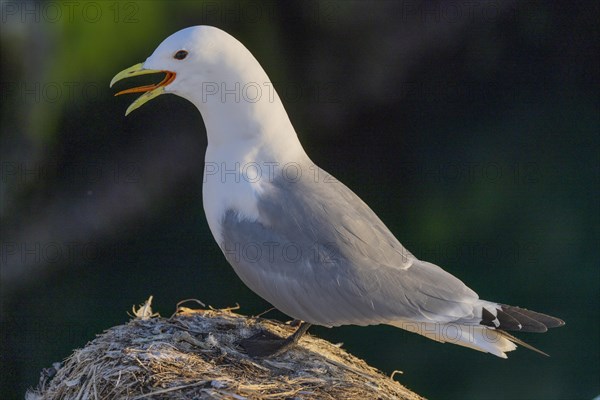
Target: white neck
263	124
248	131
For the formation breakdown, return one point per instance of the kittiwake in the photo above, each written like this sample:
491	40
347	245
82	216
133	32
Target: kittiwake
295	235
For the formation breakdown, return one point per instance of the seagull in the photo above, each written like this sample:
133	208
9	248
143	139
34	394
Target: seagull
294	234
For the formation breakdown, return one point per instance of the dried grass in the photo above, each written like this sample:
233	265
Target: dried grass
194	355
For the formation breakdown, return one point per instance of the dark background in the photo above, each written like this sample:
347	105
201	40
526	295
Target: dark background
471	128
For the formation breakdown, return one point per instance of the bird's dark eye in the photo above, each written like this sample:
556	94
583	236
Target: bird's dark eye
180	55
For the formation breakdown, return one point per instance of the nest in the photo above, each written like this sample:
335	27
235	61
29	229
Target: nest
194	354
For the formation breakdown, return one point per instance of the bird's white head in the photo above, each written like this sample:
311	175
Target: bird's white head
191	59
215	72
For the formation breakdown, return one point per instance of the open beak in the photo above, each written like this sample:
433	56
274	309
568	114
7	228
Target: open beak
150	91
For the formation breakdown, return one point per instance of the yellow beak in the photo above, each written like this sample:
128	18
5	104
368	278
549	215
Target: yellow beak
150	91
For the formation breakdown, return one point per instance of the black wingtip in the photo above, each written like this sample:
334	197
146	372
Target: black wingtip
531	321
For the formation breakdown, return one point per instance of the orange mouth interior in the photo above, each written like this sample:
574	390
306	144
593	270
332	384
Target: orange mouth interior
169	77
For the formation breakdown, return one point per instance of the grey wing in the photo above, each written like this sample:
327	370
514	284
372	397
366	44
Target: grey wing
320	254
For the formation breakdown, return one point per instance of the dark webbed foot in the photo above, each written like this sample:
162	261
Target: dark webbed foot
265	343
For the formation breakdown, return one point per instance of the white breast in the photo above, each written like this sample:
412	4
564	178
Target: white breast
230	181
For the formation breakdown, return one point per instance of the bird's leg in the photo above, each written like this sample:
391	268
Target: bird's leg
265	343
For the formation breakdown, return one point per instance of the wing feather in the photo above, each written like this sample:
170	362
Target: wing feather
332	261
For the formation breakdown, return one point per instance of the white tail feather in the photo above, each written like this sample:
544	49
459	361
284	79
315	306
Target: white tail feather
476	337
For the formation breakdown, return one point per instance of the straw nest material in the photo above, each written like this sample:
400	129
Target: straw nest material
194	354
